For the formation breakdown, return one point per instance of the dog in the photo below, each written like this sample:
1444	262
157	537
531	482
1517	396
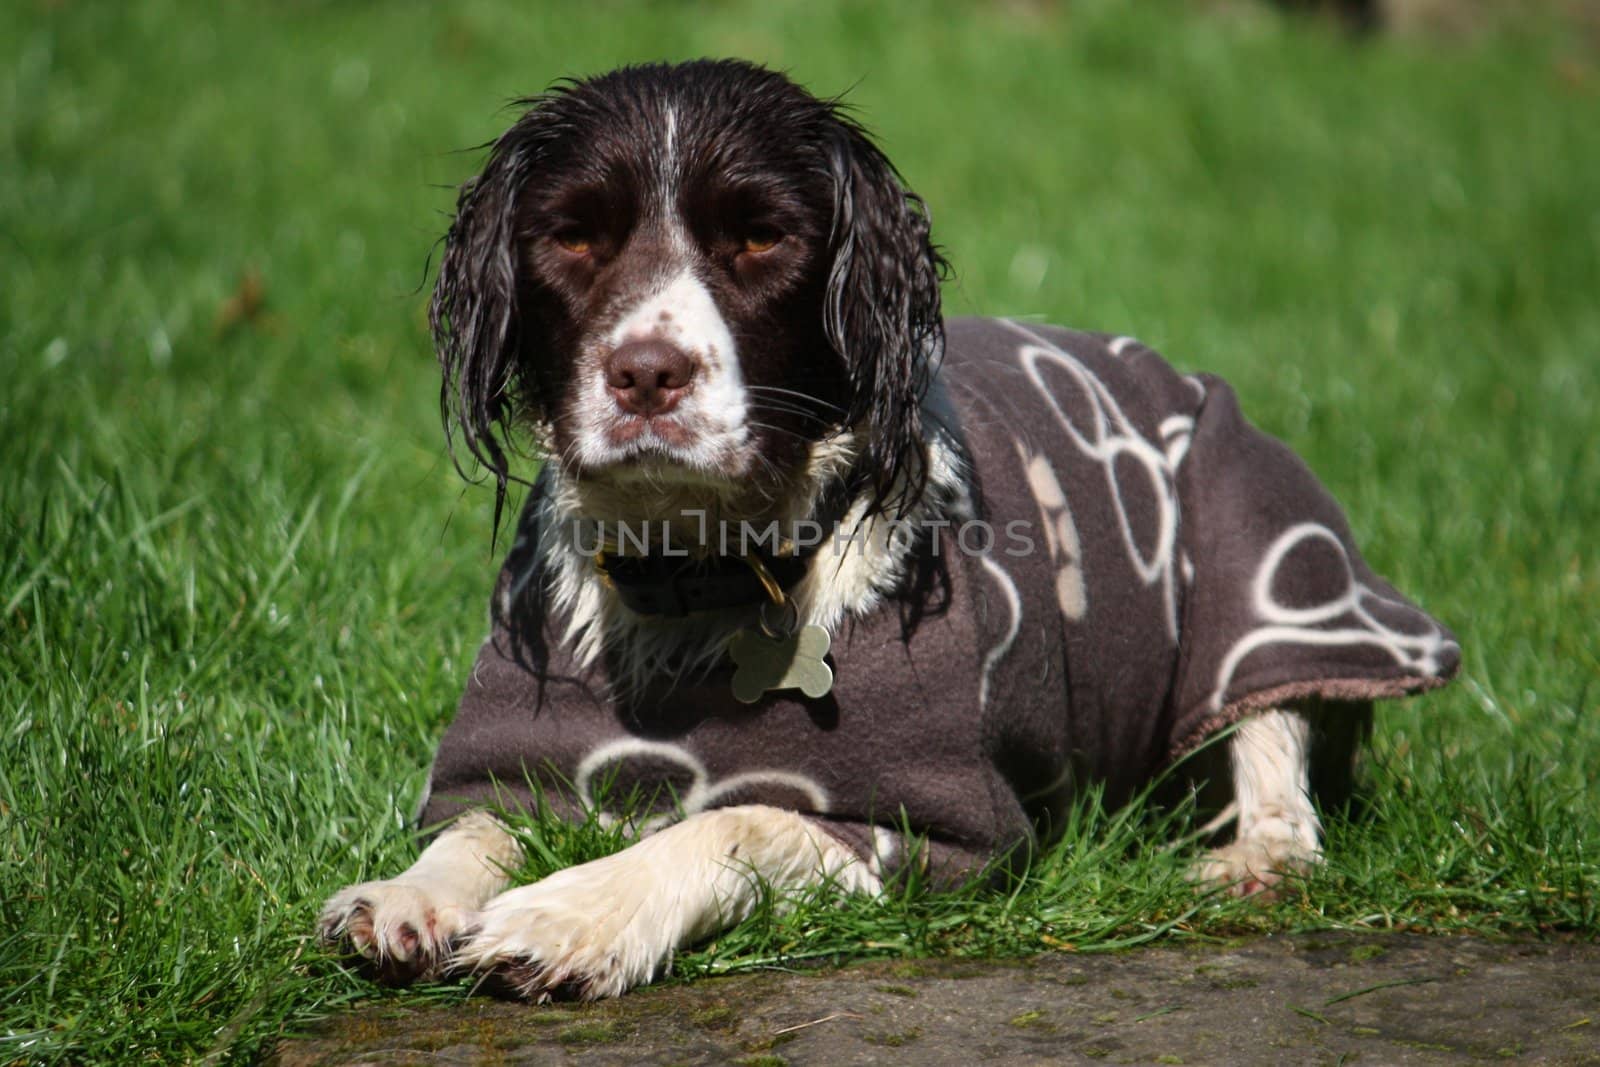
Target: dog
841	590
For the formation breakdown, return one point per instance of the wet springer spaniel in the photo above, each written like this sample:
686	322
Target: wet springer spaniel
829	587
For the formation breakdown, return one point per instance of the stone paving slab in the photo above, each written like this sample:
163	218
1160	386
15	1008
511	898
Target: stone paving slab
1320	999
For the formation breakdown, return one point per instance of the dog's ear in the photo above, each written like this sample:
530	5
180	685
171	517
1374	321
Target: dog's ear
882	310
475	313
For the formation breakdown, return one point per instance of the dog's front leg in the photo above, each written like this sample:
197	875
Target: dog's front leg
1278	830
601	928
406	925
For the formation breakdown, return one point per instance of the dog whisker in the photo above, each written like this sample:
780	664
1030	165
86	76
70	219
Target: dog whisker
806	399
771	408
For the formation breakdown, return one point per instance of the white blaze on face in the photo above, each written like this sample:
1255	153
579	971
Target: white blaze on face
711	416
669	155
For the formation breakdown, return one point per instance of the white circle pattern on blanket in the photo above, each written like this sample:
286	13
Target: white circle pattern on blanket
703	793
1110	437
1353	606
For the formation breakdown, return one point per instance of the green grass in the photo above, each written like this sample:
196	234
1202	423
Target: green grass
239	585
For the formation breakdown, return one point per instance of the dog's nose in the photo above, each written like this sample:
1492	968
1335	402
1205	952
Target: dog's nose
648	377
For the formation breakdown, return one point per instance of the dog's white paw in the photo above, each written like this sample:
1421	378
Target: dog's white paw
1256	864
401	930
584	933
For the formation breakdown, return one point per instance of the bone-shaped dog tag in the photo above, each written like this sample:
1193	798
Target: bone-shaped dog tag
768	663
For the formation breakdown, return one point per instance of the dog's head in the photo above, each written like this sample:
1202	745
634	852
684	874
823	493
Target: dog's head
691	274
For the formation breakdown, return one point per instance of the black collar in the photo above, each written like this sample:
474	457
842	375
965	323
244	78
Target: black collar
674	586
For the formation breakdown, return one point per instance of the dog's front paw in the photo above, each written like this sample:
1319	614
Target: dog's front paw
400	931
581	934
1254	866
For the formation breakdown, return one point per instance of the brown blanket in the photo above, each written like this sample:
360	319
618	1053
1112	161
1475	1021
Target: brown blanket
1153	568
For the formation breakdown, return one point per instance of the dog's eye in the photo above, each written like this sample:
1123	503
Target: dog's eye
761	239
576	243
